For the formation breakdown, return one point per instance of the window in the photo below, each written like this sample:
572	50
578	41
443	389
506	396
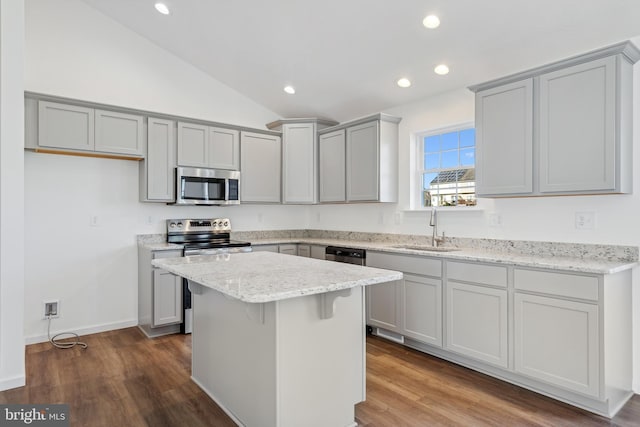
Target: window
446	167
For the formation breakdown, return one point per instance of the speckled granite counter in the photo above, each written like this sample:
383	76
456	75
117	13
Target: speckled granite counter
566	263
264	276
583	258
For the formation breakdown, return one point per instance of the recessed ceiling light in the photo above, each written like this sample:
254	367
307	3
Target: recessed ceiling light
403	82
290	90
162	8
431	22
441	69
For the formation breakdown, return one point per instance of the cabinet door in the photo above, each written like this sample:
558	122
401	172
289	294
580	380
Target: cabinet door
288	249
476	322
577	128
318	252
260	164
504	139
167	298
422	309
264	248
224	149
299	163
160	161
557	341
193	143
384	305
363	163
304	250
65	126
332	167
119	133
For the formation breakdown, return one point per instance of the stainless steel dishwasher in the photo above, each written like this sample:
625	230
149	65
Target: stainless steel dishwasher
347	255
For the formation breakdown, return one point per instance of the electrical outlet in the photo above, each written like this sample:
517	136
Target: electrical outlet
585	220
51	309
495	219
94	221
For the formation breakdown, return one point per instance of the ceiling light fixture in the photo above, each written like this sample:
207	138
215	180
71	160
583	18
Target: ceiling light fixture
290	90
431	22
441	70
404	82
162	8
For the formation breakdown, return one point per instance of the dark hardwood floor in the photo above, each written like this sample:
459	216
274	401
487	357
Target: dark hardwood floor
125	379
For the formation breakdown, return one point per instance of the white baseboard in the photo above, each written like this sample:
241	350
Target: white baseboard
9	383
34	339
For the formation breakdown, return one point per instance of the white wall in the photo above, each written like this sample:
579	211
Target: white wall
76	52
12	373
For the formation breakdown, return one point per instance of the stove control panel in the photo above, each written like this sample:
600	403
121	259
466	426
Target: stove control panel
181	226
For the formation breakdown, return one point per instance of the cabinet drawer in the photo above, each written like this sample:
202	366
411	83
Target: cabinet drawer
406	264
166	254
493	275
562	284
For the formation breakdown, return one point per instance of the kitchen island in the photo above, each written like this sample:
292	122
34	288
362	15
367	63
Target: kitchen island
279	340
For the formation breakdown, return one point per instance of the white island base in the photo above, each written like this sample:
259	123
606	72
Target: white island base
288	363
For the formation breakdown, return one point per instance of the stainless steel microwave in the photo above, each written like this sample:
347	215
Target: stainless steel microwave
200	186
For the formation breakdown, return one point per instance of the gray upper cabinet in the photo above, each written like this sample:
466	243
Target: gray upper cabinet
504	139
224	148
193	142
299	163
72	128
300	158
563	128
202	146
332	167
157	170
260	165
65	126
577	113
363	158
117	132
371	160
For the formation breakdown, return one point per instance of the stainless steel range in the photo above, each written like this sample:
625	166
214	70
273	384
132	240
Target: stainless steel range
204	236
201	237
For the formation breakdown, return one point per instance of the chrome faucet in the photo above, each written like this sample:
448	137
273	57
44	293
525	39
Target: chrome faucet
433	222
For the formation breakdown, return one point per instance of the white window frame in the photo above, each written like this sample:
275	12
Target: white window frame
419	164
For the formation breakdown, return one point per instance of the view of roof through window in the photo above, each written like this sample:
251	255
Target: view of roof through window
448	168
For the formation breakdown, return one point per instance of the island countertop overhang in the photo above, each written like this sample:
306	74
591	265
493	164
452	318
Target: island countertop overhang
260	277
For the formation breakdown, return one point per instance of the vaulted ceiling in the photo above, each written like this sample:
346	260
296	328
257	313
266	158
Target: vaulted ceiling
344	56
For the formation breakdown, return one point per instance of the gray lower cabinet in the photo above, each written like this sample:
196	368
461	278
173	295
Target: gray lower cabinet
411	307
289	249
157	181
562	333
563	128
260	165
72	128
476	322
167	298
264	248
304	251
476	312
318	251
159	294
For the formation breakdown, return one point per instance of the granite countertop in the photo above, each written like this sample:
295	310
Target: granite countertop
592	259
258	277
566	263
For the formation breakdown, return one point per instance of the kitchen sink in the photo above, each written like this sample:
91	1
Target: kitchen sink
427	248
